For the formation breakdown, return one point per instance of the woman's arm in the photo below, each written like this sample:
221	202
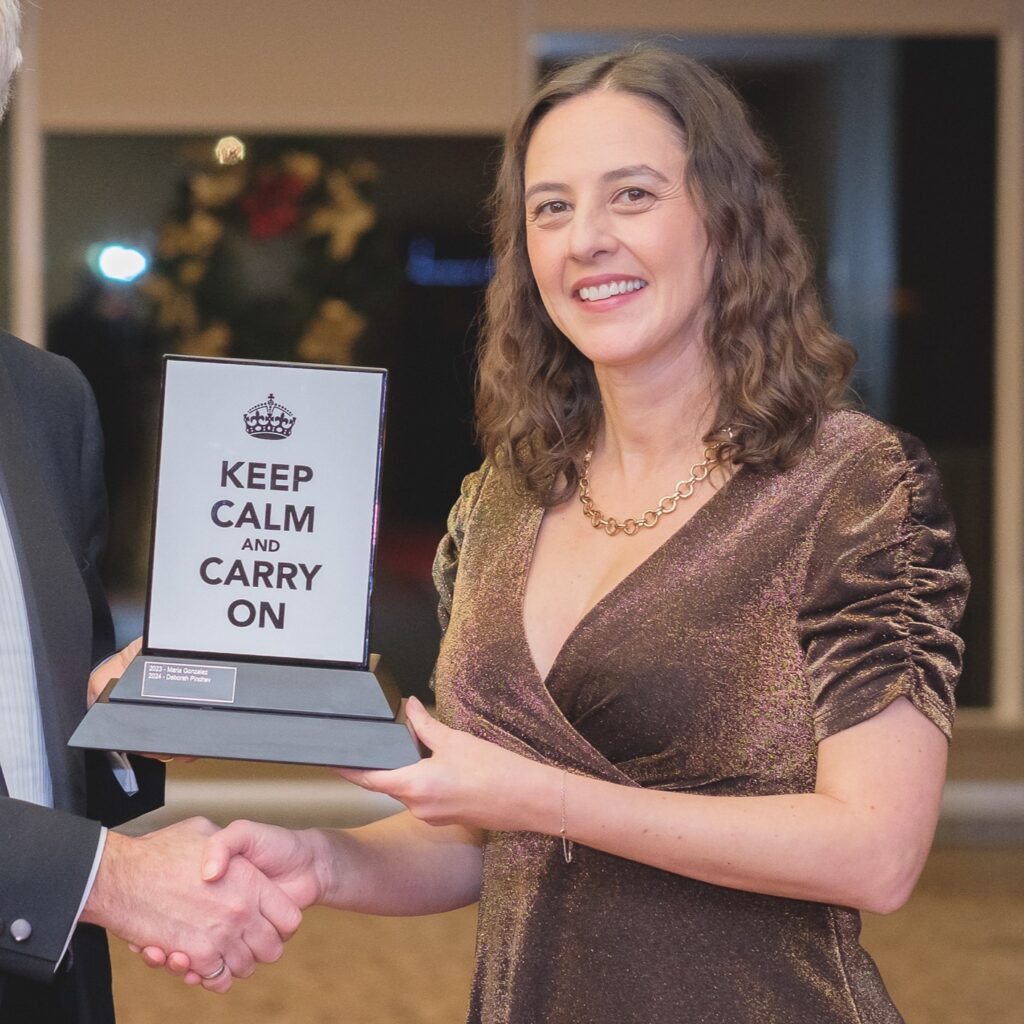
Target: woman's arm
859	840
402	867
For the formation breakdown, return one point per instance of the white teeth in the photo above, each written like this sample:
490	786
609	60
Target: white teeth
605	291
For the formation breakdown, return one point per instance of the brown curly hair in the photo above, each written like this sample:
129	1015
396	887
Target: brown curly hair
778	367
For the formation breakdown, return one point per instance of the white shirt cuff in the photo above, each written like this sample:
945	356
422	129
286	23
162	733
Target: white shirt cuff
85	895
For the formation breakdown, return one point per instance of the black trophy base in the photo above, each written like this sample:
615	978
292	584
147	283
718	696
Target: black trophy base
246	736
267	717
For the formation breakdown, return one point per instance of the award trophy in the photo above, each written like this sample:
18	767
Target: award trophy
256	638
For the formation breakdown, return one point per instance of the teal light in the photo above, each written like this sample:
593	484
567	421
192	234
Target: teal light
121	263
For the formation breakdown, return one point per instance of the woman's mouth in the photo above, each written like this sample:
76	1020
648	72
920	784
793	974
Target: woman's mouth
608	289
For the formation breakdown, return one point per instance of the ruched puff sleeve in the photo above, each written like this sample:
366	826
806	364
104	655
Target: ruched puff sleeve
885	588
446	561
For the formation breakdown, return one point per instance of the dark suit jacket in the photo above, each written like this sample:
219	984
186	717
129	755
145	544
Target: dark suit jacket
52	487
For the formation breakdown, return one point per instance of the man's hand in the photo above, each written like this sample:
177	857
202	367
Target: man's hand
149	891
112	668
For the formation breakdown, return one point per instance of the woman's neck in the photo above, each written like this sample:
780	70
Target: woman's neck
654	417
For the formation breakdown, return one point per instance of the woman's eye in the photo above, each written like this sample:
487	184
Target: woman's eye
551	207
634	197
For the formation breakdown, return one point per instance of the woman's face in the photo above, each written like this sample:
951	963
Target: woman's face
616	243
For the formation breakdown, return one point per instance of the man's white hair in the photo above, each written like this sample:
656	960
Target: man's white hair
10	52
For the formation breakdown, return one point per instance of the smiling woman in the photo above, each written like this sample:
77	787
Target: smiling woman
598	225
675	753
659	135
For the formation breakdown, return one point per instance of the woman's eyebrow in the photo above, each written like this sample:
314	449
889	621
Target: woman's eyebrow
630	171
545	186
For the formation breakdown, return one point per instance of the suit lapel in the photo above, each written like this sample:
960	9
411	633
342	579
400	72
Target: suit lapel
55	596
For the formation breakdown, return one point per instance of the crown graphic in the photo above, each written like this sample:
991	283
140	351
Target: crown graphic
269	420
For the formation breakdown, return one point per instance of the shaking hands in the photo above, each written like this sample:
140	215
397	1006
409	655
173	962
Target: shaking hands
149	891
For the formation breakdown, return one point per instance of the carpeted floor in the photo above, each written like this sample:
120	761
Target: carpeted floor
953	955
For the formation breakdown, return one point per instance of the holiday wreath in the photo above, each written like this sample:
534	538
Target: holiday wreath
280	259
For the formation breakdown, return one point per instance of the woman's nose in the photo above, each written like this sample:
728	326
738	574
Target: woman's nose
590	233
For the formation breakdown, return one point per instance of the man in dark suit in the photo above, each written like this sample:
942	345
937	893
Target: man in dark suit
58	865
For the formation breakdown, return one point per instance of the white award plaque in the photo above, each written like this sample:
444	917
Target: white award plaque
256	641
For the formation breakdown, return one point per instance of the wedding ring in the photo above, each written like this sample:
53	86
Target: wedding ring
217	973
166	760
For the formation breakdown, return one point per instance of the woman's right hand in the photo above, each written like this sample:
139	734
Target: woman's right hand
295	861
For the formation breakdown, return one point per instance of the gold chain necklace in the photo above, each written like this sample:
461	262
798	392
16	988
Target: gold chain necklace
651	518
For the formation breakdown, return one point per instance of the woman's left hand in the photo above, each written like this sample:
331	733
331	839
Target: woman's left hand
467	781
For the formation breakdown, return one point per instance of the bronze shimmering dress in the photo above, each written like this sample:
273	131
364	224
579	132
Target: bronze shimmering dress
791	606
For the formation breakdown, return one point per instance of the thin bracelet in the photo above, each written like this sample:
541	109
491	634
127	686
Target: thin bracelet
566	842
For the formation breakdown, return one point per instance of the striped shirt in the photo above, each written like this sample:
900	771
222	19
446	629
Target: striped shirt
22	745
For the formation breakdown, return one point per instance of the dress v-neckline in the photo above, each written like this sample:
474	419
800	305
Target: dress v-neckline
533	532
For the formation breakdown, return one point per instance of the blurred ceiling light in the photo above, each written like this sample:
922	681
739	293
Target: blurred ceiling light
121	263
229	150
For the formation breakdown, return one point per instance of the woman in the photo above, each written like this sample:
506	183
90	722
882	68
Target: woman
676	752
